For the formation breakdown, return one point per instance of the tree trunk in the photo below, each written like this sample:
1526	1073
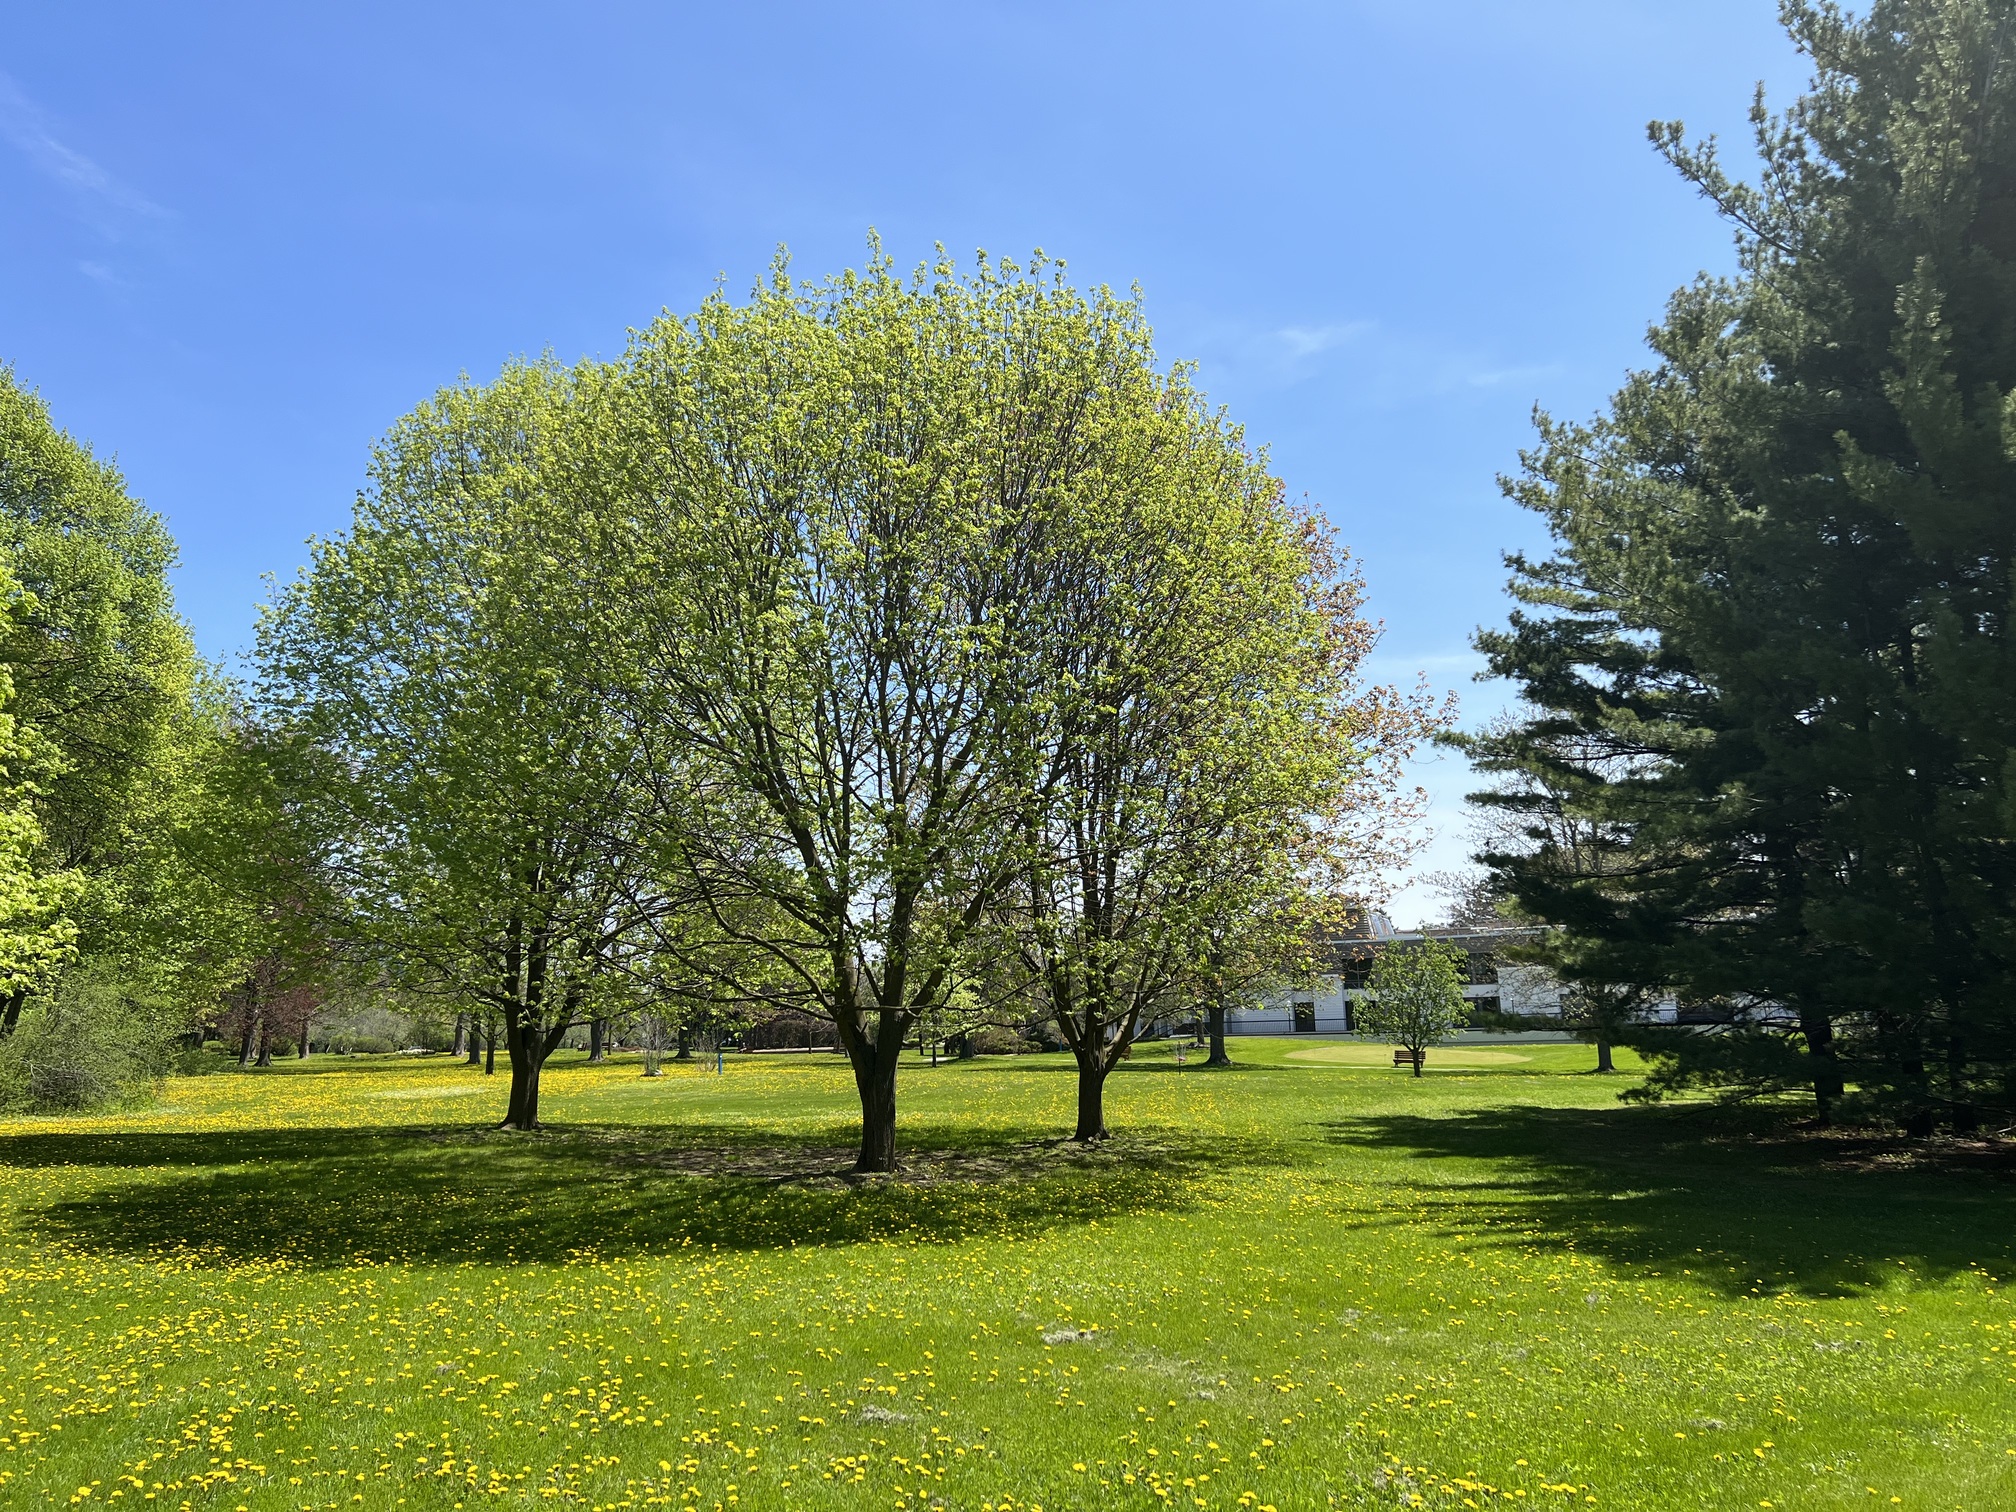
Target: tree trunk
527	1047
597	1052
523	1111
875	1054
301	1049
685	1044
1092	1070
1216	1032
489	1050
265	1044
1922	1120
1419	1057
1828	1083
1966	1117
10	1013
461	1045
876	1082
249	1042
1603	1062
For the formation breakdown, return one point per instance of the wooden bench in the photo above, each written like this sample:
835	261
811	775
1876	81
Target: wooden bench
1408	1058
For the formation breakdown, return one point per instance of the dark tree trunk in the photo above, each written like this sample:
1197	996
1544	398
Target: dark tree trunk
1966	1117
685	1044
876	1082
1092	1070
1603	1062
523	1111
489	1051
527	1048
301	1047
1419	1057
1922	1120
874	1046
1215	1020
10	1013
475	1042
265	1044
1827	1080
461	1045
597	1050
249	1043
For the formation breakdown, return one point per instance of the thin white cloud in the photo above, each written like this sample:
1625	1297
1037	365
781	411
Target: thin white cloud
1499	377
1387	367
1313	341
25	127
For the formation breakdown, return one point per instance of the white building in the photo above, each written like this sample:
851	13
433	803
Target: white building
1491	983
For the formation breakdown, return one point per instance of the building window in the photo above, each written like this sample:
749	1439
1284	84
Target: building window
1305	1018
1357	973
1483	969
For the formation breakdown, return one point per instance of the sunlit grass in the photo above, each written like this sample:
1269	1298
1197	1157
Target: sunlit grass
1293	1284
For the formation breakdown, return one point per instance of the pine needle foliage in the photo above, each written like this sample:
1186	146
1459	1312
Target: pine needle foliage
1770	656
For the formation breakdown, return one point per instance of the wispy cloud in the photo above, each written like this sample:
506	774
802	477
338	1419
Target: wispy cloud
1313	341
1500	377
101	196
1387	366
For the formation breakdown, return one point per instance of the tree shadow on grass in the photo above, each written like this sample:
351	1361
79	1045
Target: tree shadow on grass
338	1196
1743	1201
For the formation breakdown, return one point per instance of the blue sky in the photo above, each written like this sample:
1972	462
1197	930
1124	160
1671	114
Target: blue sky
236	241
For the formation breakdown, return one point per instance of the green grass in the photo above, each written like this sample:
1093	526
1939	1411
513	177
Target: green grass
1291	1284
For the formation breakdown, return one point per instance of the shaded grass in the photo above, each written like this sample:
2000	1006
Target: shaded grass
1744	1202
333	1197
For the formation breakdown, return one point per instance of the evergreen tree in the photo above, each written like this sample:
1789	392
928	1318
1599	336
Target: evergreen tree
1770	657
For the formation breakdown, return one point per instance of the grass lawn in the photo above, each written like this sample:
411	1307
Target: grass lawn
1301	1283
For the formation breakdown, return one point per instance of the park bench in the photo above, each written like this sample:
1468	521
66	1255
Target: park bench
1408	1058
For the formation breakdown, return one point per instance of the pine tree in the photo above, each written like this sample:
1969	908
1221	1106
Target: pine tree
1770	657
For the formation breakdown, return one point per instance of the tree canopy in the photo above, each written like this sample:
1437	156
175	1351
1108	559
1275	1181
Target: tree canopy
1769	659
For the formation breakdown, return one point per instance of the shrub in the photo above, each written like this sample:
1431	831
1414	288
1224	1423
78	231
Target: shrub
100	1041
1497	1021
199	1062
996	1041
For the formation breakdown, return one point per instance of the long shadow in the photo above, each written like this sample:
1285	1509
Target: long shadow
335	1196
1741	1203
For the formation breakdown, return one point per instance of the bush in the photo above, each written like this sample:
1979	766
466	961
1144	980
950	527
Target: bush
99	1042
364	1030
431	1032
994	1041
1497	1021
